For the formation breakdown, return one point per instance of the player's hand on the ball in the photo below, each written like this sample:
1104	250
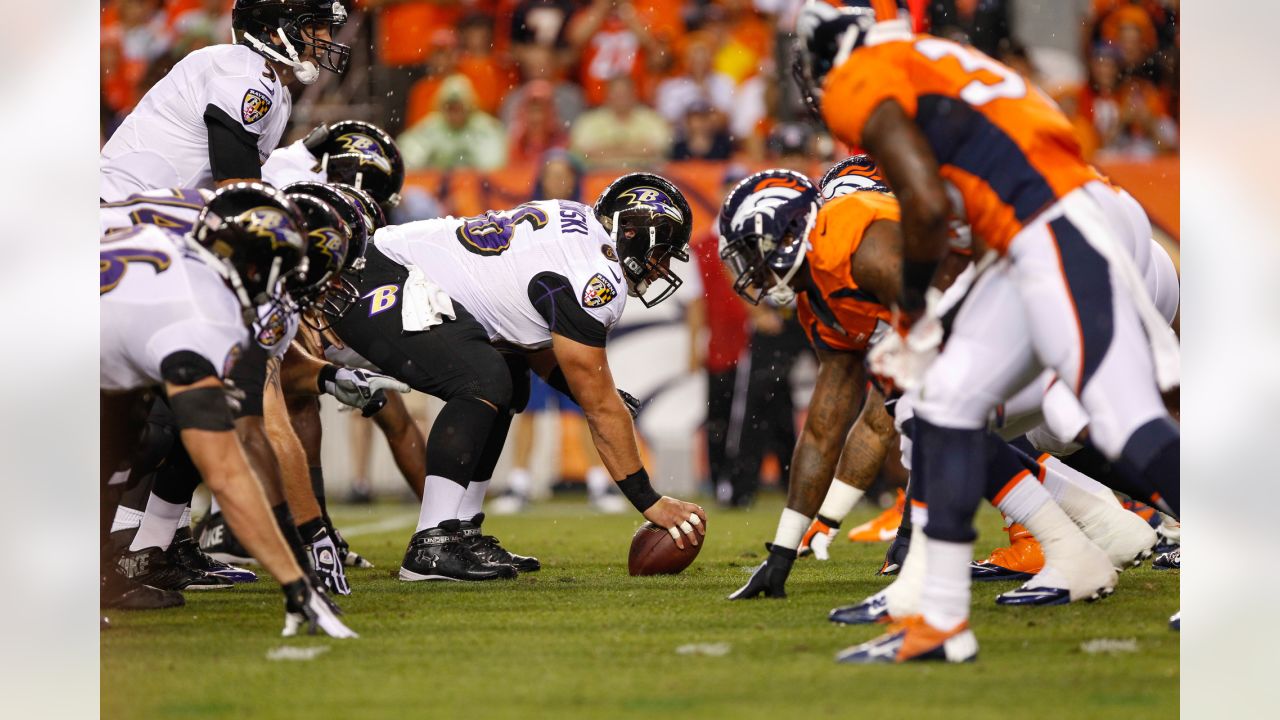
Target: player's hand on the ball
680	518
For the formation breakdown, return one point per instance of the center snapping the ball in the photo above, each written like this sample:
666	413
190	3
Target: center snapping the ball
654	552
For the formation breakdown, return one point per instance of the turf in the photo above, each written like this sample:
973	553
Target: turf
582	639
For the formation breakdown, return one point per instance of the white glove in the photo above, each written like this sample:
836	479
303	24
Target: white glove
324	558
305	606
905	360
358	388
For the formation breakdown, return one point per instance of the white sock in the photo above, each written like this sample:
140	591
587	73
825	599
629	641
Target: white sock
126	519
840	500
519	481
598	482
1023	499
473	499
440	500
902	597
944	599
919	518
791	528
214	507
158	524
1058	474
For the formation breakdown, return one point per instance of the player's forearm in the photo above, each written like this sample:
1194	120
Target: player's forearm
226	472
300	372
836	398
289	453
262	459
614	434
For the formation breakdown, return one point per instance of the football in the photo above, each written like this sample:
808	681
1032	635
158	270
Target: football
654	552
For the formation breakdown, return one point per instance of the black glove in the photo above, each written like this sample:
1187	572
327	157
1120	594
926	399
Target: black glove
770	578
631	401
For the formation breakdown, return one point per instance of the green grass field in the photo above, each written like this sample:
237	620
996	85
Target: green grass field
583	639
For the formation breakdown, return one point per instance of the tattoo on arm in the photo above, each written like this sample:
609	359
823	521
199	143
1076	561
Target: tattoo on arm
867	445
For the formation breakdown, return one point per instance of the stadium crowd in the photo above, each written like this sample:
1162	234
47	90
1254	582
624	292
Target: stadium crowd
486	83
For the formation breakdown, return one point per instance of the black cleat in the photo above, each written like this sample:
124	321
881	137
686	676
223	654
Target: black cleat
770	578
121	593
218	542
152	566
490	551
185	552
438	554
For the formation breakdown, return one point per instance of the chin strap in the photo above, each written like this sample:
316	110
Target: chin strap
304	70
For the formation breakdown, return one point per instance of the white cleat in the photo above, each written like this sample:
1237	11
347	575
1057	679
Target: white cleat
1124	536
1086	573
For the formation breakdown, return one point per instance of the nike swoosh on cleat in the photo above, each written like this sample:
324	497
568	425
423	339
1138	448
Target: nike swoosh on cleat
1035	596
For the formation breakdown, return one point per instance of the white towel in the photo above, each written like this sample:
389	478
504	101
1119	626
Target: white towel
426	304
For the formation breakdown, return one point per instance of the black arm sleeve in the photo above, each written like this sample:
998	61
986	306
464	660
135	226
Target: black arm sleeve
554	299
233	151
186	367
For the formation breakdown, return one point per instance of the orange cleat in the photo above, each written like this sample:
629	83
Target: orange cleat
1019	561
913	639
883	527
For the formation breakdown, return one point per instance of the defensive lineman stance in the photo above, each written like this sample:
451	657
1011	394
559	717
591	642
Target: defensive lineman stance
545	280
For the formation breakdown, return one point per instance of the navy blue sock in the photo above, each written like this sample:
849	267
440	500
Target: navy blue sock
954	463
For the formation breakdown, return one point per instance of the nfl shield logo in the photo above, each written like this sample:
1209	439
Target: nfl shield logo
254	107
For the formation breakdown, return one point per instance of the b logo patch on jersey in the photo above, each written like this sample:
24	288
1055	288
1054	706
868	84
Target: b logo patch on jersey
255	106
598	292
609	253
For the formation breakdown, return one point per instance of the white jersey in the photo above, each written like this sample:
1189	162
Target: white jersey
175	209
290	164
491	263
164	142
157	299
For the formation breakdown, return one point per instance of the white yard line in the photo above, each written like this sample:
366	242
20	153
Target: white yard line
395	522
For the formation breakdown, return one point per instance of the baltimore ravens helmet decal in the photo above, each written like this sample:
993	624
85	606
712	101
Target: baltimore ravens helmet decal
255	106
598	292
609	253
369	150
653	199
272	224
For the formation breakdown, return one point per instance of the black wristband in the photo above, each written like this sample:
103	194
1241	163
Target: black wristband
916	277
637	489
328	374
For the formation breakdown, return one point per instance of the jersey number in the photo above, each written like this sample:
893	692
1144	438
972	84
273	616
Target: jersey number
978	92
491	233
113	263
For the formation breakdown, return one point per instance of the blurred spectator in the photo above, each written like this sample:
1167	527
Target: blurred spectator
456	135
717	323
537	62
702	135
791	145
609	39
133	36
621	132
699	83
537	127
742	38
199	24
1121	115
441	62
405	37
983	24
541	22
490	78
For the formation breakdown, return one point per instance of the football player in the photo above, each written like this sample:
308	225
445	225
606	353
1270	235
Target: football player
350	152
546	281
176	311
217	115
933	112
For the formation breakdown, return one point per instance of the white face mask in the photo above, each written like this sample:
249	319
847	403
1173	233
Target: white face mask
304	70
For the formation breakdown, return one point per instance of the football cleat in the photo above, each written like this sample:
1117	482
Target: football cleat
186	552
508	503
874	609
1169	533
817	541
153	566
770	577
218	542
118	592
1124	536
1175	622
1021	560
913	640
895	555
438	554
883	527
1086	574
489	550
1171	560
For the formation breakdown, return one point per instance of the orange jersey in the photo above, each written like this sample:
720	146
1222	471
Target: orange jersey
1007	149
835	313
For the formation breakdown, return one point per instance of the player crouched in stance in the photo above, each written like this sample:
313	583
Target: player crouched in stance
176	313
545	282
